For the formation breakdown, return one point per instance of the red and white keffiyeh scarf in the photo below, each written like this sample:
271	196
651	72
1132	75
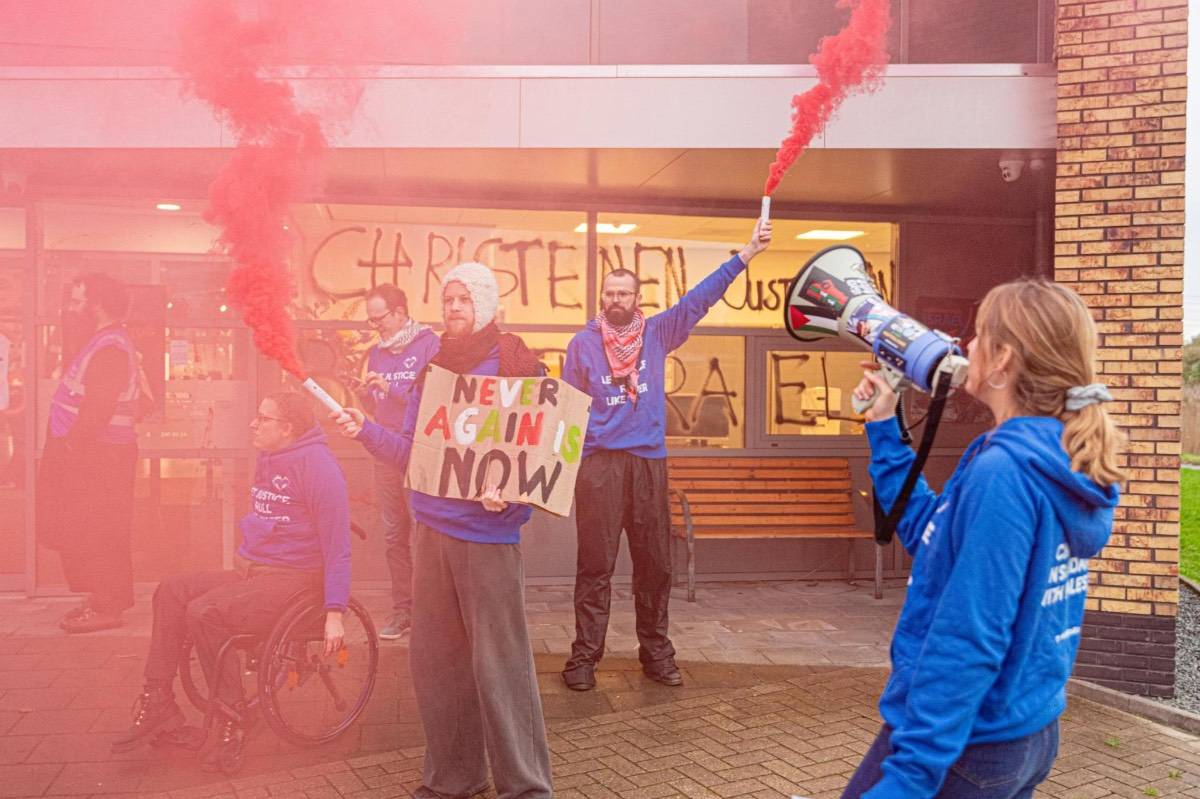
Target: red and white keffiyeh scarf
623	346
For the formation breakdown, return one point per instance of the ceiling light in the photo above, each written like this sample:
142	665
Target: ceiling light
169	207
608	227
830	235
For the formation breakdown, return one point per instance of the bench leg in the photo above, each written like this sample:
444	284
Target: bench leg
691	566
850	560
671	554
878	571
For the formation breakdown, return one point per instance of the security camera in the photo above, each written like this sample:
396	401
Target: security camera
1010	169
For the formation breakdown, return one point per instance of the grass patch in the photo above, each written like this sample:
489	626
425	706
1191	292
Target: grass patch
1189	529
1190	458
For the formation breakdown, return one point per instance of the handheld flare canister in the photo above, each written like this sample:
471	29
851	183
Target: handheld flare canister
329	402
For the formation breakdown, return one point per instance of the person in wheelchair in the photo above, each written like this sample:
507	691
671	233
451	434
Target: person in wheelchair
296	537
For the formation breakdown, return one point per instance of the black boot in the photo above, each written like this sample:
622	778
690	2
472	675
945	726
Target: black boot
663	671
226	747
154	711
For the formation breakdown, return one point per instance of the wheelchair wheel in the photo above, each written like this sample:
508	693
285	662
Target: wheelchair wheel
306	697
195	684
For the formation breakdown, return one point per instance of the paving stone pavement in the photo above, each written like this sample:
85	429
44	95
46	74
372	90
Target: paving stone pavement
781	684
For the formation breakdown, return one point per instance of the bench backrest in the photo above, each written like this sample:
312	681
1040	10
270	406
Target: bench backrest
760	493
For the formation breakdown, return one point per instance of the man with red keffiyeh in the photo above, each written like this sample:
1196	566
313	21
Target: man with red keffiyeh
619	360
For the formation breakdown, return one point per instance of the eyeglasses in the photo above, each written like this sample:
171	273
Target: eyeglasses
259	418
377	321
618	295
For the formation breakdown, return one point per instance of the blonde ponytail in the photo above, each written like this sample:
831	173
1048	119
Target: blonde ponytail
1053	340
1092	440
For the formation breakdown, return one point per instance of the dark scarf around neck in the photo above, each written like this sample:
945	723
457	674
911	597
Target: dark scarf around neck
463	354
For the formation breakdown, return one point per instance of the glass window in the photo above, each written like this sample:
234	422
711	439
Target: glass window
551	349
13	445
540	259
706	393
126	226
672	254
808	392
203	404
786	31
336	359
975	32
12	232
60	270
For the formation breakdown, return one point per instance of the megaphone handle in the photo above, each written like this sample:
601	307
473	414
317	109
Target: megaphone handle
894	379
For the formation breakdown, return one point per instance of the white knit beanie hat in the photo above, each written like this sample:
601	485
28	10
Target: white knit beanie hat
481	285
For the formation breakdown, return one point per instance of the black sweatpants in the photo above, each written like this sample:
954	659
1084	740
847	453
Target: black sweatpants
210	607
617	491
85	511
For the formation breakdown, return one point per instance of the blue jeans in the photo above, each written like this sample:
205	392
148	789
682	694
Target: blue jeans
396	516
1005	770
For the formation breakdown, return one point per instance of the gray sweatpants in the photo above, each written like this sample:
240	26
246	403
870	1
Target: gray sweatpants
473	671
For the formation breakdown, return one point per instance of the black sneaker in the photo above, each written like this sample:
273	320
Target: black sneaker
580	678
227	748
154	711
665	673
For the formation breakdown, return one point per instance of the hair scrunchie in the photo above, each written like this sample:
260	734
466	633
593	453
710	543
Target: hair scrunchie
1079	397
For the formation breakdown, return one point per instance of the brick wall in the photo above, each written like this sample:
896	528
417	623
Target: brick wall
1119	243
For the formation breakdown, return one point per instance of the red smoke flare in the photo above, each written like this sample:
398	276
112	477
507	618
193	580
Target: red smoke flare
278	150
853	60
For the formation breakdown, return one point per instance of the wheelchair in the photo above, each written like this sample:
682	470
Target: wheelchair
306	698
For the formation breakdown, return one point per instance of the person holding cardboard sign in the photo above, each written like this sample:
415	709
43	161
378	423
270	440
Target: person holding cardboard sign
472	664
620	359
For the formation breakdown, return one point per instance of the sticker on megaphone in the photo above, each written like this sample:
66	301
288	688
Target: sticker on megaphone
834	295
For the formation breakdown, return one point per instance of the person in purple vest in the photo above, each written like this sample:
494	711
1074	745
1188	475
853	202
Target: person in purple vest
86	478
405	347
619	360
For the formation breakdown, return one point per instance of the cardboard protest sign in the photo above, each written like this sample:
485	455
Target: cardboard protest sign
524	434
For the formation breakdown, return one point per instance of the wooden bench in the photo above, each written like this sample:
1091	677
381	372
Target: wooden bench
742	498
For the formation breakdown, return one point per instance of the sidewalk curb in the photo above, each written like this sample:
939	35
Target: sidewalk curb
1136	705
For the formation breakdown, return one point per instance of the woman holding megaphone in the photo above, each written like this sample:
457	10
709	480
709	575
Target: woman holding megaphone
989	629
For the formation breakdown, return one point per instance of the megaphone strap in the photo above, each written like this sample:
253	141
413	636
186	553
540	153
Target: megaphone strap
885	525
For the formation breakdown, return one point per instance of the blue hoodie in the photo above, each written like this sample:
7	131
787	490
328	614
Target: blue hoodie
400	369
990	627
300	514
465	519
616	422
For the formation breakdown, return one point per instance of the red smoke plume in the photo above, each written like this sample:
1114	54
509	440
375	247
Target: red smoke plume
852	60
274	164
